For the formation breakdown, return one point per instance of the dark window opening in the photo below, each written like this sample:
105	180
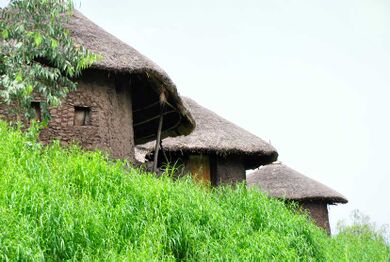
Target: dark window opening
82	116
36	107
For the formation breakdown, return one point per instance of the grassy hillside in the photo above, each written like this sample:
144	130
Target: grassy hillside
58	204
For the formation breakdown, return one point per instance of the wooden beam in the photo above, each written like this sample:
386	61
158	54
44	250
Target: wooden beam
159	130
157	147
153	118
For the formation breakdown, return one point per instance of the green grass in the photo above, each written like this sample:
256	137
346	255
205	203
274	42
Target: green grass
67	204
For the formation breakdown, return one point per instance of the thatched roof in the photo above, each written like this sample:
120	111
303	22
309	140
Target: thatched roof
216	135
120	58
130	69
117	55
281	181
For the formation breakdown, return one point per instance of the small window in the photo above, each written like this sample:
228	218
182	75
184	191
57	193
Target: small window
82	116
36	107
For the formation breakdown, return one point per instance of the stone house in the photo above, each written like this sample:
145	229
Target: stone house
282	182
118	103
217	151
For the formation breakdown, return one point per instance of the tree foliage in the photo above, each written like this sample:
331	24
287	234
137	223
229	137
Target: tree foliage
362	227
37	54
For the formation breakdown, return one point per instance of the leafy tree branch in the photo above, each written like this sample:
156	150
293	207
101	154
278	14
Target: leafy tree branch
38	55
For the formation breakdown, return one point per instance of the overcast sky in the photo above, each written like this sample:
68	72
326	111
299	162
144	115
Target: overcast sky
312	77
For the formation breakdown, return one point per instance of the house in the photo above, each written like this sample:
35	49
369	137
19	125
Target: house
118	103
283	182
217	151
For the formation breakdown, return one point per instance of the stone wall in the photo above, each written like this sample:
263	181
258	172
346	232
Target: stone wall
109	126
318	211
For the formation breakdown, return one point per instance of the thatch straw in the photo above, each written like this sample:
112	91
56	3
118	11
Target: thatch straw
281	181
216	135
118	57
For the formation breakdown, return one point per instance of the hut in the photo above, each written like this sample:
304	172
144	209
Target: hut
217	151
118	103
283	182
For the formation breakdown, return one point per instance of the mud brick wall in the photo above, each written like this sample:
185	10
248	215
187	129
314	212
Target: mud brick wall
230	170
318	211
110	124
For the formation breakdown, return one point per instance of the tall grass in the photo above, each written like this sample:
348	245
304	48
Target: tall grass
66	204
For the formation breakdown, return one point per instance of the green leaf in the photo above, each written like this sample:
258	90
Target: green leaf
37	39
54	43
29	90
5	34
19	77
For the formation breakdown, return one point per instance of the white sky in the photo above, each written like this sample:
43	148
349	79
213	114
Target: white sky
312	77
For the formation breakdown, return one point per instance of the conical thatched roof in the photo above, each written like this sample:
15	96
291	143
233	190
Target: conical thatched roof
120	58
281	181
216	135
117	55
130	69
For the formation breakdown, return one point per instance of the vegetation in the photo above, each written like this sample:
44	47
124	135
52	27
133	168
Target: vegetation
360	241
37	54
60	204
